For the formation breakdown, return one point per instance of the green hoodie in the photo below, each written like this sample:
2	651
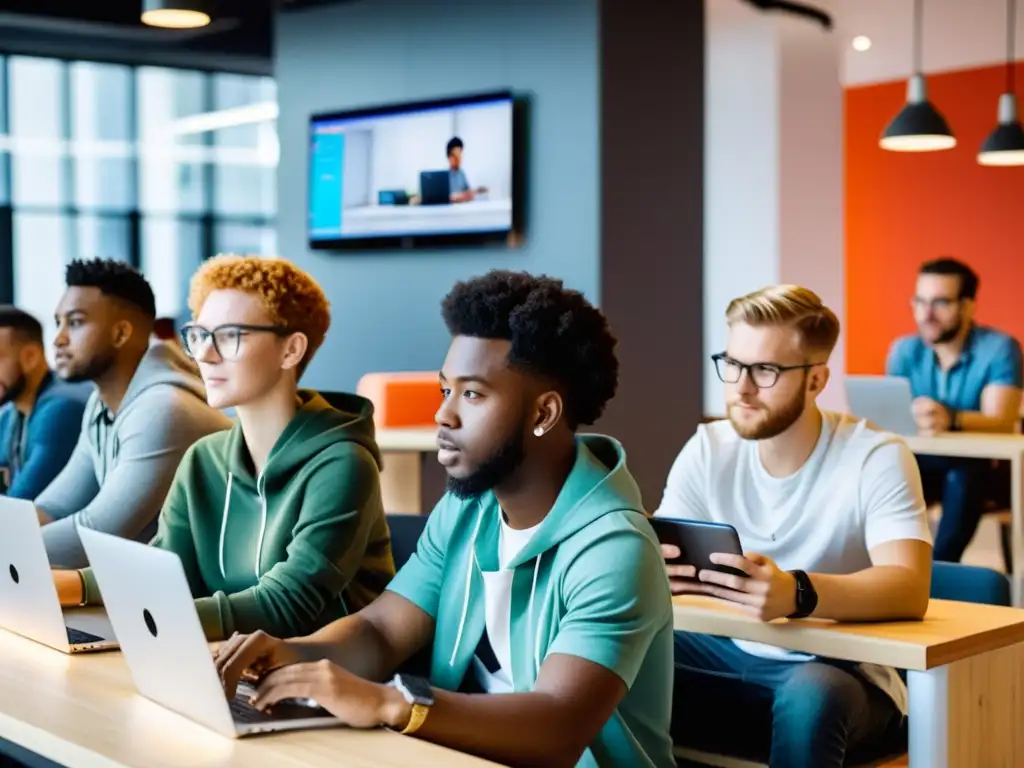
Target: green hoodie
590	583
292	549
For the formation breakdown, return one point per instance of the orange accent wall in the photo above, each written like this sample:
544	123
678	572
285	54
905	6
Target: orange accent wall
903	209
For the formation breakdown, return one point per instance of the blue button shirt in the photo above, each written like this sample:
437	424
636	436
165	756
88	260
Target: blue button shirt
988	357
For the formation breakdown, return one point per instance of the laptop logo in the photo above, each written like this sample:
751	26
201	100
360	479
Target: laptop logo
14	574
150	623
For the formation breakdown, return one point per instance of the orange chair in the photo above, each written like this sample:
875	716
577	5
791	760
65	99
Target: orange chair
402	400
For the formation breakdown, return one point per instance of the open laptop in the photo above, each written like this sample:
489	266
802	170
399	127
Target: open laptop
883	400
435	188
29	605
153	613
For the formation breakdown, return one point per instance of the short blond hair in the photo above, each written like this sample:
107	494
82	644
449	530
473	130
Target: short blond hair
789	305
292	298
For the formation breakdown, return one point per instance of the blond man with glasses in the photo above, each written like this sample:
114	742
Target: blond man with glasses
831	517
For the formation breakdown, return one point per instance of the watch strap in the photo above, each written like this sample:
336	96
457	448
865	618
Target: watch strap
806	596
416	719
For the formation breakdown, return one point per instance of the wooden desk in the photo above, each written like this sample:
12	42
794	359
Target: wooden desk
978	445
83	712
964	662
404	451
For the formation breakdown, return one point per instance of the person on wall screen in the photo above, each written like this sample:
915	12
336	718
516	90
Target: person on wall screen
458	184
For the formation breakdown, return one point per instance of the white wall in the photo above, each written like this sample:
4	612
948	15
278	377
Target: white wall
773	169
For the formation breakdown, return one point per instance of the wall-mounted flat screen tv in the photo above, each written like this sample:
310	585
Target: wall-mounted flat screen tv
408	175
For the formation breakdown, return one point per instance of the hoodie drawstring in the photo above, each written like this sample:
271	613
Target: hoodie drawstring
224	523
261	491
534	625
534	628
471	561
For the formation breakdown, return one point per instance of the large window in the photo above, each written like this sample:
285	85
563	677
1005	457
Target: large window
158	167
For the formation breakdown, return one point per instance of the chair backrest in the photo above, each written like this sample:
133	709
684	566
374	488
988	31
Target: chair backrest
969	584
405	533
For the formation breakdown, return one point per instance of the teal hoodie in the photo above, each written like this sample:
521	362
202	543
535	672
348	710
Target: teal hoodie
590	583
293	548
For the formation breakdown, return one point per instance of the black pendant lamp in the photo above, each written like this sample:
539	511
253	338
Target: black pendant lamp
919	126
176	14
1005	145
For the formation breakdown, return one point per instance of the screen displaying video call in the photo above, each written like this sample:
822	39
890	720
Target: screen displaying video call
409	171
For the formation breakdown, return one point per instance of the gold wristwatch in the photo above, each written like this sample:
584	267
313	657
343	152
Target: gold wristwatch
420	696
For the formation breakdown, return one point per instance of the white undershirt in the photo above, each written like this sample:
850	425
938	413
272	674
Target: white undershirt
498	608
859	488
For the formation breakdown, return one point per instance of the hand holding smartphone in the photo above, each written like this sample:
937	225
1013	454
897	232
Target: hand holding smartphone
696	541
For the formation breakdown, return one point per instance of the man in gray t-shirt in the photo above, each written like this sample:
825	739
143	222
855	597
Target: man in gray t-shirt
458	184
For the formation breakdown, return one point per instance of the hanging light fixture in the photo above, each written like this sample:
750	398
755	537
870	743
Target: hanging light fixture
176	14
1005	145
919	126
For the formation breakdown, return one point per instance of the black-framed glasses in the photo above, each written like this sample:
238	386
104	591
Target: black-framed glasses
226	339
763	375
941	303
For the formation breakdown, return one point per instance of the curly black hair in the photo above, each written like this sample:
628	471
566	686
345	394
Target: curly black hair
555	333
115	279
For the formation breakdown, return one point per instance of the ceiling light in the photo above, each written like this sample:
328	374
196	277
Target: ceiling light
1005	145
176	14
919	126
861	43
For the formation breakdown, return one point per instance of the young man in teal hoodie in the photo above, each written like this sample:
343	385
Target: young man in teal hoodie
278	521
537	577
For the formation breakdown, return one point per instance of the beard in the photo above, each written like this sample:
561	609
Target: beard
14	391
92	370
497	468
774	422
946	335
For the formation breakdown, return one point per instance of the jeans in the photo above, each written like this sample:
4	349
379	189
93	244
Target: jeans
800	714
959	485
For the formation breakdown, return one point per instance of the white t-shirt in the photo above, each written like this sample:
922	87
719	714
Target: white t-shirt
859	488
498	610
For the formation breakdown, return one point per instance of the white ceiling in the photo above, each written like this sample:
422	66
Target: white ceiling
958	34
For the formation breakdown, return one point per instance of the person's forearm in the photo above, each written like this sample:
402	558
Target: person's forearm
353	643
975	421
511	729
879	593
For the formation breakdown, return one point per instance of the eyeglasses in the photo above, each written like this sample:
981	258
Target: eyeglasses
764	375
226	339
940	303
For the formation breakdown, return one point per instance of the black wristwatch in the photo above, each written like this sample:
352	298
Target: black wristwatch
806	596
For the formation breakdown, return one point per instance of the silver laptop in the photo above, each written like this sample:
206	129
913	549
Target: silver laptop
29	605
152	610
883	400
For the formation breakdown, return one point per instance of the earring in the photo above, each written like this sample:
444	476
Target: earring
538	431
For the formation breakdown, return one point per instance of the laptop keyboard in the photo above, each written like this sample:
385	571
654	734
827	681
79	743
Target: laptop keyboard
244	712
78	637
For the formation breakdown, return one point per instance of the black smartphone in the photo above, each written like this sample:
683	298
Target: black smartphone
697	541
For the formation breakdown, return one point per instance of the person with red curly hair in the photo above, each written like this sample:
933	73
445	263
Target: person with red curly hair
278	521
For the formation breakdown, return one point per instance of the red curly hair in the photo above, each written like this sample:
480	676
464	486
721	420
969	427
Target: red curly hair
291	296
